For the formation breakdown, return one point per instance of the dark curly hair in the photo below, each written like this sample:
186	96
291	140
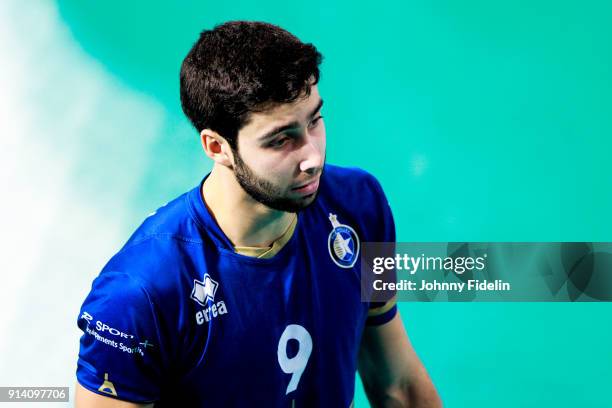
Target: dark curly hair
241	67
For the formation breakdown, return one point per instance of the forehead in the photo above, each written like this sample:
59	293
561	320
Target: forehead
298	111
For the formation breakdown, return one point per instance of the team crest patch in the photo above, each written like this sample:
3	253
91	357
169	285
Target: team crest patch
343	244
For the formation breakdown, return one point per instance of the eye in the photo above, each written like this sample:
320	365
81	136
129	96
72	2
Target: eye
280	142
315	122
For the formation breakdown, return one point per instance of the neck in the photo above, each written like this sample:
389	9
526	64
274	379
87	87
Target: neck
245	221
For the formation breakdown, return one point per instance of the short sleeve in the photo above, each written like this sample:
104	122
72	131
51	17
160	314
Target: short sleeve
381	312
384	308
120	352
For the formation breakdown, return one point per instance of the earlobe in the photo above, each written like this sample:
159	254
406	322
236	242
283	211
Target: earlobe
215	147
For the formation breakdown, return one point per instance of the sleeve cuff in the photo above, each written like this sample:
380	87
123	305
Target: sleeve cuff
382	318
109	387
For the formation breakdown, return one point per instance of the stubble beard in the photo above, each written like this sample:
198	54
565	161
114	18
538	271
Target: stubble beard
265	192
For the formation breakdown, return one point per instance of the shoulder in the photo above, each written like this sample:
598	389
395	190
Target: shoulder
145	280
352	188
358	197
163	238
123	290
162	249
173	220
349	180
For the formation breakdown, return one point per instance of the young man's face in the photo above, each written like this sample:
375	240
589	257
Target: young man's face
281	153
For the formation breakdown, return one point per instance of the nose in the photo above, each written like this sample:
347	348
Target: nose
313	157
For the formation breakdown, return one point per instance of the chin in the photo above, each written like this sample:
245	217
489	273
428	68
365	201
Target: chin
308	200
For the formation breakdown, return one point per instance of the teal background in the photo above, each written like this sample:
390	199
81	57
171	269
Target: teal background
484	121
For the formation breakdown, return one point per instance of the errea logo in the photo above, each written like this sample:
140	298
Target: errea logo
203	293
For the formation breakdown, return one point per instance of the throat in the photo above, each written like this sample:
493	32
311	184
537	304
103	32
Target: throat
246	225
272	249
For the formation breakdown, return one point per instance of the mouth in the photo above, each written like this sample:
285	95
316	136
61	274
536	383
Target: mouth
308	188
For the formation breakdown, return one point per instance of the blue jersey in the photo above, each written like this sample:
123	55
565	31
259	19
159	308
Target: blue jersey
179	318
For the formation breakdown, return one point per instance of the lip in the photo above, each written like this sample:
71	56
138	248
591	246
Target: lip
308	188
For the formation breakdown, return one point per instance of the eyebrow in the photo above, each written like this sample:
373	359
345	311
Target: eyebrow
291	125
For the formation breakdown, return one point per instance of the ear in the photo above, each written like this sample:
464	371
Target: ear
216	147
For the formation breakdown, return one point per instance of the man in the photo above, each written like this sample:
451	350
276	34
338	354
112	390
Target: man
245	291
